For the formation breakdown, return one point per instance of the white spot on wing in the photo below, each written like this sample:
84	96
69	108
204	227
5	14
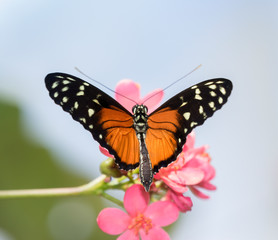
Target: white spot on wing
211	104
212	86
96	101
65	89
193	124
65	99
76	105
55	84
220	100
184	103
69	78
186	115
219	82
208	83
81	93
212	93
82	87
198	97
197	91
91	126
100	136
86	84
201	109
56	94
185	130
91	112
59	76
82	120
222	90
66	82
193	87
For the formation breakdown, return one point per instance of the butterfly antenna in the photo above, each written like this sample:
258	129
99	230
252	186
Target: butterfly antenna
174	82
77	69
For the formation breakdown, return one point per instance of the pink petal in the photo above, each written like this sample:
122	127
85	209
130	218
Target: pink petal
105	152
183	203
177	187
162	213
190	141
130	90
198	193
190	176
209	172
187	176
113	221
136	200
152	99
207	186
156	233
128	235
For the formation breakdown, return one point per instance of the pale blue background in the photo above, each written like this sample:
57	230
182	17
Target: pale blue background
155	42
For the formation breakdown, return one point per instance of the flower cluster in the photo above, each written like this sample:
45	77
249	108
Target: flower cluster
191	171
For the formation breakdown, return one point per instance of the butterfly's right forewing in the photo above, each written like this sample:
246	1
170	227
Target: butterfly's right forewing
175	119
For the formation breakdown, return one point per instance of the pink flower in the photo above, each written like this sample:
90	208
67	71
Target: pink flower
191	169
183	203
140	221
131	90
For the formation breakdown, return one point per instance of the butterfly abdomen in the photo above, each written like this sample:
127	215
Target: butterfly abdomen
145	165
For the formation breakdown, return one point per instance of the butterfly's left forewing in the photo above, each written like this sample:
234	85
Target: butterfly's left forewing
108	121
170	124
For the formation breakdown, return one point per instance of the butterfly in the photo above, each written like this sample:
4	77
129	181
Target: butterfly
137	139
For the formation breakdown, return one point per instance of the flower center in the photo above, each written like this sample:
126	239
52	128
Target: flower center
140	222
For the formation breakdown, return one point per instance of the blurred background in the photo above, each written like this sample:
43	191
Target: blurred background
153	43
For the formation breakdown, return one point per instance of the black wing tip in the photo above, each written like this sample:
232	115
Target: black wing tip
51	76
227	83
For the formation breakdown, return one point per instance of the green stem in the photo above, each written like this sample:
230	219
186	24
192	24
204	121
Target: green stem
88	188
112	199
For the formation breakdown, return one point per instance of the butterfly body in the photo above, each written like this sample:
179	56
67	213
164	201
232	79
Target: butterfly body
138	139
140	119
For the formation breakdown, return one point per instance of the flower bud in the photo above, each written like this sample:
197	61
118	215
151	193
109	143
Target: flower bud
109	168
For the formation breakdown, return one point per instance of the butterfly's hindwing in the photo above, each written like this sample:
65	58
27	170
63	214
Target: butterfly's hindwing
109	122
177	117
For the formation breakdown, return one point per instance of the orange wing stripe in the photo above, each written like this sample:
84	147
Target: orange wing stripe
161	120
114	117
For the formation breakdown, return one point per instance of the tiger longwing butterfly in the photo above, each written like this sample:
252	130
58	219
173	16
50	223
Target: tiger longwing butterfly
148	141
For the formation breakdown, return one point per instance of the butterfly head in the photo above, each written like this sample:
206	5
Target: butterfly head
139	109
140	118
